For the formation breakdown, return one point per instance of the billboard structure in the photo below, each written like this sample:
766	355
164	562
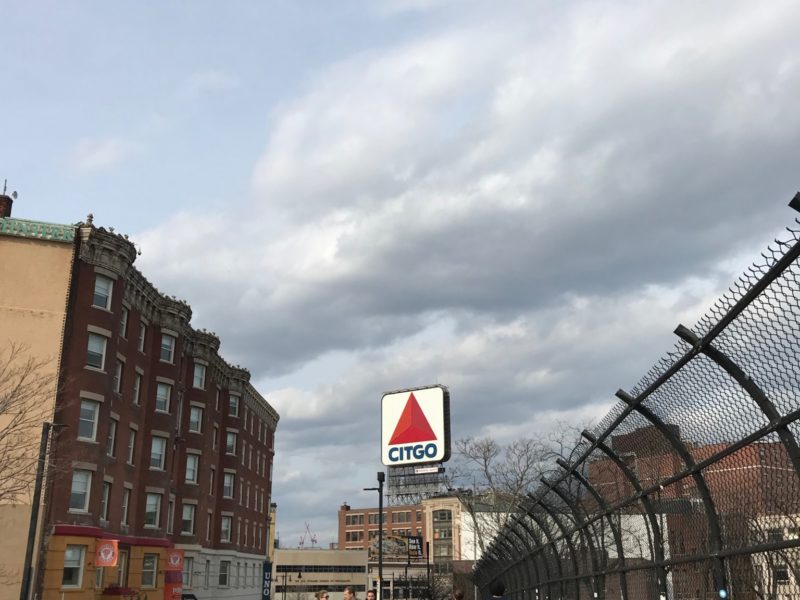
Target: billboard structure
415	442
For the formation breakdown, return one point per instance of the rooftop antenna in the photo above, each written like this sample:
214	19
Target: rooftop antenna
5	186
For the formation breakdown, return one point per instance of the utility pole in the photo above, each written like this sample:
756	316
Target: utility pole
379	489
34	521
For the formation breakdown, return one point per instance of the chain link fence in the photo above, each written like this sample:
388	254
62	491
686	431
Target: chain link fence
689	488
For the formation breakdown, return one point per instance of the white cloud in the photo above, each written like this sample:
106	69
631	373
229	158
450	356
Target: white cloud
520	208
95	154
209	82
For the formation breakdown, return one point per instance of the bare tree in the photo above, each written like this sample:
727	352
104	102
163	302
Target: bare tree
493	480
25	386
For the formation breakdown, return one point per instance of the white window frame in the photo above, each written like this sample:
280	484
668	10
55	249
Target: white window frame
167	399
137	388
193	473
151	572
193	410
87	491
95	407
119	368
126	503
222	529
224	571
158	498
186	574
140	341
105	500
163	459
199	378
111	438
228	445
74	563
233	405
123	323
131	445
192	510
102	279
231	487
103	340
168	345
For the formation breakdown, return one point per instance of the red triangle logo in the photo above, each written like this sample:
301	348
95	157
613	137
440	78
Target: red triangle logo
413	426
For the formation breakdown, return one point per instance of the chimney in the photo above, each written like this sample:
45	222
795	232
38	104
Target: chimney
5	206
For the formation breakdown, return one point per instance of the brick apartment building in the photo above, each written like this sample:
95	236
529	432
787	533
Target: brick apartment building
158	442
755	494
449	544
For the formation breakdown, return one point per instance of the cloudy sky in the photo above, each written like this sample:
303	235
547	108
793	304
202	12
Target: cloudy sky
519	200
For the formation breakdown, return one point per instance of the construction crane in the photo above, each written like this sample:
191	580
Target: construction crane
311	536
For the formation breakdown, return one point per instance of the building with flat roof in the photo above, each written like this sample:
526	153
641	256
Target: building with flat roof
297	574
159	446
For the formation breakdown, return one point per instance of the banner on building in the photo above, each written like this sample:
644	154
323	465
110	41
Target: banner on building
106	553
174	560
266	581
415	546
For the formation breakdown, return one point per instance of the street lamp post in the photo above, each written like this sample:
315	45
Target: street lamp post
285	577
379	489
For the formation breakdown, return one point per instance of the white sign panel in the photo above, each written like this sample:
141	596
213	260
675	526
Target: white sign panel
415	426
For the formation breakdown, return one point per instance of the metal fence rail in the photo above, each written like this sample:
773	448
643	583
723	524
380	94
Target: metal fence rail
689	488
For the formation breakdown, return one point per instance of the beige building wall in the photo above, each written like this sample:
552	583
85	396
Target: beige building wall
34	286
318	569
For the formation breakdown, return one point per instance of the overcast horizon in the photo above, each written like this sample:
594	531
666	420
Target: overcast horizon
517	201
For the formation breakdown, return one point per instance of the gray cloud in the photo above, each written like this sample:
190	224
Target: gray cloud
521	212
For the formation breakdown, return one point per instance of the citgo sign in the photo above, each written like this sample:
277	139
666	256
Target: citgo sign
415	426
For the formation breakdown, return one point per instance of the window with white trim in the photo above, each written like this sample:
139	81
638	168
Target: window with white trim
233	406
199	380
131	445
158	452
152	510
126	502
111	439
186	575
224	573
196	419
167	348
118	369
123	324
163	396
230	443
149	570
103	286
142	335
79	493
96	351
187	519
228	485
104	500
87	423
225	529
192	467
137	388
72	576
